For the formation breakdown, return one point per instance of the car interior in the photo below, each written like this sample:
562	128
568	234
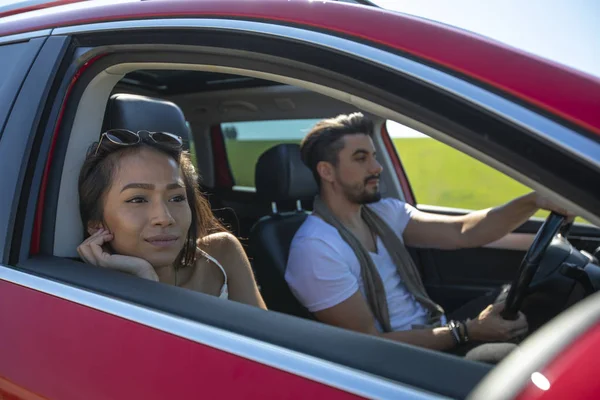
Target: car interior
210	108
263	212
264	217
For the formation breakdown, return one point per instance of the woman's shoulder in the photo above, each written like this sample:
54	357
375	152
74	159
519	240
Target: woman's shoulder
223	246
218	241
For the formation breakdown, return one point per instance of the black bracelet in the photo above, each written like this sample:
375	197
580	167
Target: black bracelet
466	335
454	331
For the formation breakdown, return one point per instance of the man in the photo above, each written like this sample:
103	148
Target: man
348	264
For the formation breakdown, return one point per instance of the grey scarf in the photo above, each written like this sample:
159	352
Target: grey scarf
373	285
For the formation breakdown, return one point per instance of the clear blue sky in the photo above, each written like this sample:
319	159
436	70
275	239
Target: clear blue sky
565	31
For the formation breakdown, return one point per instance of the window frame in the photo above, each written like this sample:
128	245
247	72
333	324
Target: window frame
21	143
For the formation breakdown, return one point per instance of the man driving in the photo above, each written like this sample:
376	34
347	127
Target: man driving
349	266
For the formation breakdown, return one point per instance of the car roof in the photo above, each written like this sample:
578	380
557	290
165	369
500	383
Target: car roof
556	89
13	7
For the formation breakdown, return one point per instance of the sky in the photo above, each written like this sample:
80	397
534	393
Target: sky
565	31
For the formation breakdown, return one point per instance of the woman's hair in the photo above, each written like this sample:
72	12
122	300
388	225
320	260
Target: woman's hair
99	169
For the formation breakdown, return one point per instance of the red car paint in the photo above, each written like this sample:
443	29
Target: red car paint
574	372
78	366
576	98
49	4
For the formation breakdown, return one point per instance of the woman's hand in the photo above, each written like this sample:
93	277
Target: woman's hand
92	252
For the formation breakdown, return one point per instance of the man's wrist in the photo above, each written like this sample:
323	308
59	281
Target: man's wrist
472	329
459	332
454	332
533	200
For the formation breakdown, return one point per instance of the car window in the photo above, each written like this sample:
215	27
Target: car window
15	60
442	176
246	141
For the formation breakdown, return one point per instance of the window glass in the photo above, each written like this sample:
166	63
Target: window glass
246	141
13	52
15	59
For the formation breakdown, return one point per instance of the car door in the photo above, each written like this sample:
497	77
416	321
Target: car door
59	341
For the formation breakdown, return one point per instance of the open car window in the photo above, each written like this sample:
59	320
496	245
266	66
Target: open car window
442	176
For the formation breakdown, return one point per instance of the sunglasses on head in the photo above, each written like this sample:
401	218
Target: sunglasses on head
124	137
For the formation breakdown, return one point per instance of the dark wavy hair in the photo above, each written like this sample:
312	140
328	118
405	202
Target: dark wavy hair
96	176
323	142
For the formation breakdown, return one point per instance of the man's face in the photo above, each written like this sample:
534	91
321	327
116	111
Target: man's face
357	172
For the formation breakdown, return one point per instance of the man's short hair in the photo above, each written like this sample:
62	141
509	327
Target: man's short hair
323	142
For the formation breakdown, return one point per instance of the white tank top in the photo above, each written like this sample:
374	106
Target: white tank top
224	293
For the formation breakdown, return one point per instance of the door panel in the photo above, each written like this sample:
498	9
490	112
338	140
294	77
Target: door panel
454	277
306	348
63	350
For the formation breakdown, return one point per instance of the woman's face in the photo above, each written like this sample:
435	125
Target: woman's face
146	208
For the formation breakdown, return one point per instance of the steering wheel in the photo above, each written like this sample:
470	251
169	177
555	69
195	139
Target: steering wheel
530	265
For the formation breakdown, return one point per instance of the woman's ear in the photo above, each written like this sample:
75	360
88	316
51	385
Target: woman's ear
93	227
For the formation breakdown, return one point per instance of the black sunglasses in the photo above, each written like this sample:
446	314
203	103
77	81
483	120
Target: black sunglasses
124	137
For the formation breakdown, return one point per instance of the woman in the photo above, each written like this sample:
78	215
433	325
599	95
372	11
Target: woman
144	215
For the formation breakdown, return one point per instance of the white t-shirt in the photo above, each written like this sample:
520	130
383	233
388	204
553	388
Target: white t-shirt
323	271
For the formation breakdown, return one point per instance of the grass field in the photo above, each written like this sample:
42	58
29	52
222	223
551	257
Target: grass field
438	174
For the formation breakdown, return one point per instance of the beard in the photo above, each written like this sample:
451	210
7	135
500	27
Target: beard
360	193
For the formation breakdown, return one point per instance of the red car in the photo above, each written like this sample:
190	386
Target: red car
211	71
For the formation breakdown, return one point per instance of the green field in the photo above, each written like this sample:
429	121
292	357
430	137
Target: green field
443	176
438	174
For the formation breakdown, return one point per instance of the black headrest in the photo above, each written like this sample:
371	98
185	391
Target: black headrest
137	113
282	176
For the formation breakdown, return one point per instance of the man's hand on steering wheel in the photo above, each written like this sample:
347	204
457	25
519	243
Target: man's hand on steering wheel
530	264
543	203
490	326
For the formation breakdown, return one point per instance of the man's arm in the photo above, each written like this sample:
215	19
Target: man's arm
321	280
475	229
354	314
